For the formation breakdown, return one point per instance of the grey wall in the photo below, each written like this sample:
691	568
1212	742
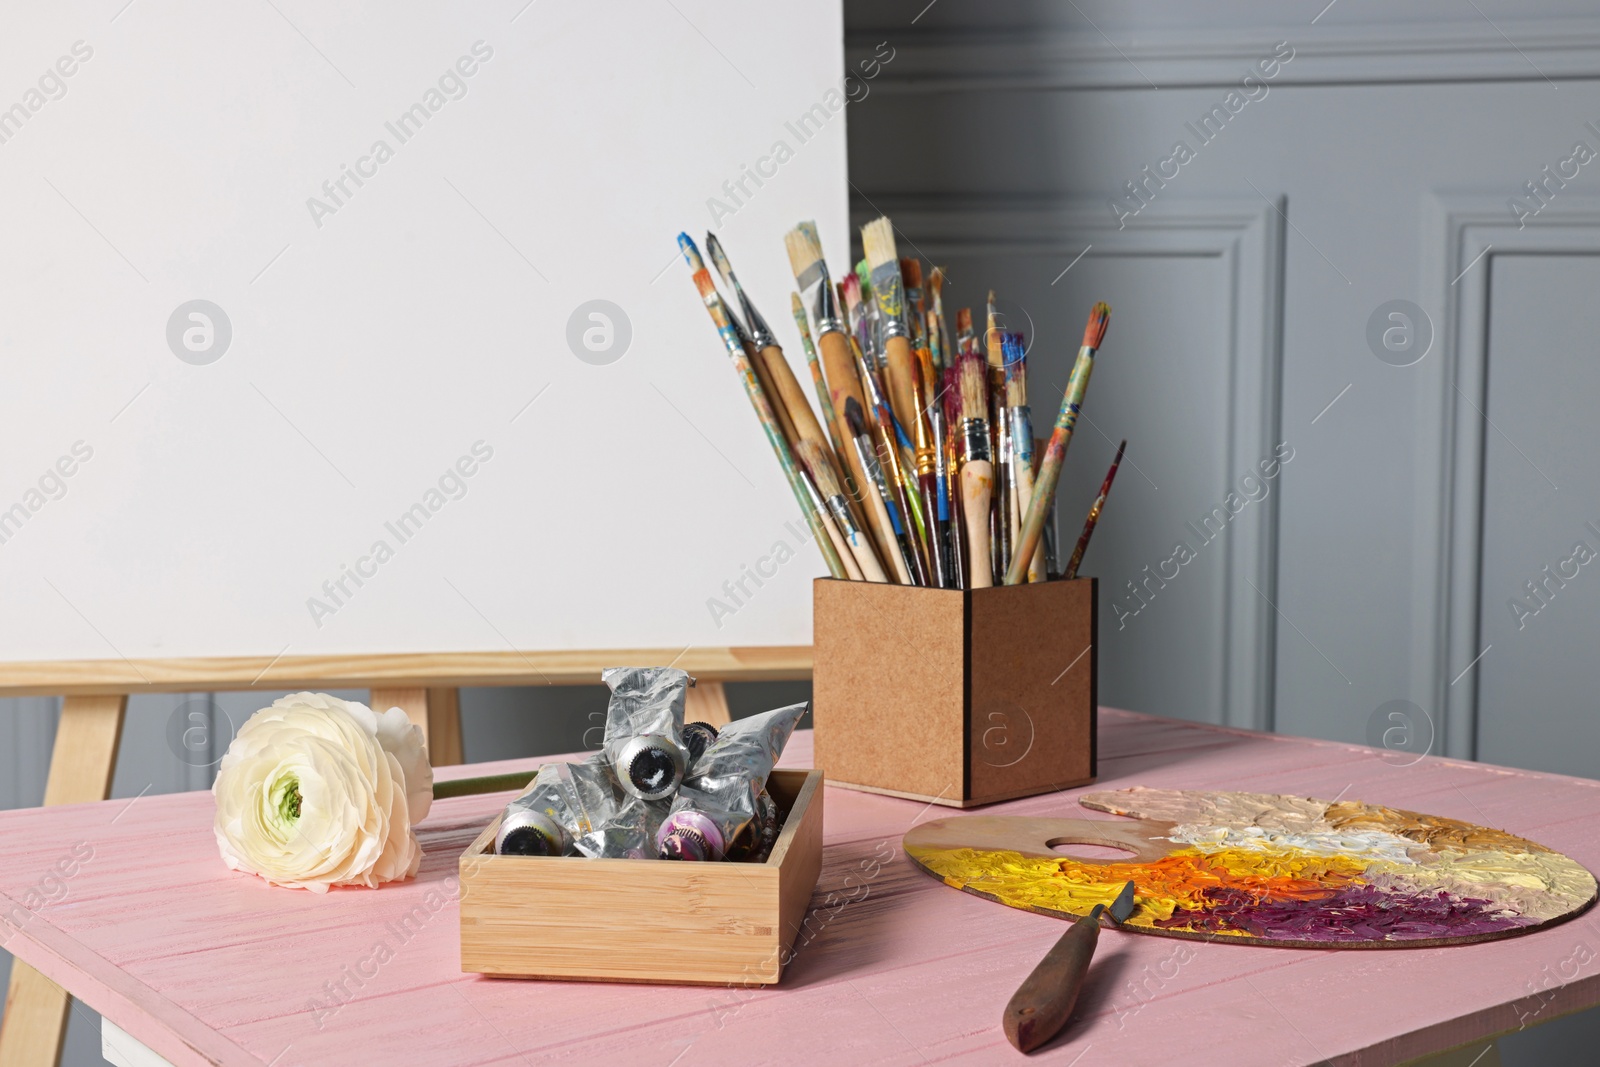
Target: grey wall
1375	166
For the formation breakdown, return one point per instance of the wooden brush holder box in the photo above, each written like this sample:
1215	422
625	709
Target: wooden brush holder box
958	697
570	917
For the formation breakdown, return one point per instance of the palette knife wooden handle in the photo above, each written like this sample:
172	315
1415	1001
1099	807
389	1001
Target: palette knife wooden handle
1040	1007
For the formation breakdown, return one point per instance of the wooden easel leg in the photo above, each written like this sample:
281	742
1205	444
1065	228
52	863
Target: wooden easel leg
707	702
437	711
444	726
81	767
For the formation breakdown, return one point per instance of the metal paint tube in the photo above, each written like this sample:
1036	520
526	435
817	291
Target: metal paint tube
719	800
644	729
565	802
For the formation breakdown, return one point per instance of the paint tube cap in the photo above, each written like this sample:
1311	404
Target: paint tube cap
697	737
529	833
689	835
651	767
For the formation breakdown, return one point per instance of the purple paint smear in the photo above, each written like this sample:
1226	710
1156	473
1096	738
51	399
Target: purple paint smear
1351	913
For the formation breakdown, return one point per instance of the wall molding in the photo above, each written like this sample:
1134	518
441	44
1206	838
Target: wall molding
1462	235
1246	237
968	60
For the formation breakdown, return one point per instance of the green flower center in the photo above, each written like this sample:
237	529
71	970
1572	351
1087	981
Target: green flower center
287	800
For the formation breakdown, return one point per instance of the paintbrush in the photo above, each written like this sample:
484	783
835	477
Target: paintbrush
942	353
758	400
877	238
1042	1004
1094	514
977	472
950	395
789	393
902	482
928	452
833	495
1016	371
802	430
911	279
820	384
871	376
1044	486
872	340
852	569
1006	516
885	510
840	377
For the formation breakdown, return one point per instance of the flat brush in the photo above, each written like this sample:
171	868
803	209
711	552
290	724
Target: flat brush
977	472
885	511
1044	486
758	400
1094	514
840	380
1016	358
877	238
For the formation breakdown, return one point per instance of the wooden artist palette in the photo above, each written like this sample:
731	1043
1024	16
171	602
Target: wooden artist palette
1264	869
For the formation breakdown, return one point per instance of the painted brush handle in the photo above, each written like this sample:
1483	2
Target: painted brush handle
937	566
769	389
791	400
834	425
843	383
795	404
882	522
859	546
1044	486
902	373
977	483
1022	464
1042	1004
841	545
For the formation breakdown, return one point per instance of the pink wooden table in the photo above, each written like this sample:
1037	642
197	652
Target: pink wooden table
204	965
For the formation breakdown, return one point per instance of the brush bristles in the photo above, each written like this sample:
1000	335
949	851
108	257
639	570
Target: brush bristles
974	395
798	307
936	285
852	292
911	273
964	322
854	417
690	253
952	395
718	259
877	238
1016	371
707	287
1095	332
805	253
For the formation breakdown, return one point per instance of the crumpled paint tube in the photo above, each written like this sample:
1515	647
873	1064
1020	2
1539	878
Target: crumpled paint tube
720	796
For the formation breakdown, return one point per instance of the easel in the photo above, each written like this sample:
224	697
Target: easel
95	696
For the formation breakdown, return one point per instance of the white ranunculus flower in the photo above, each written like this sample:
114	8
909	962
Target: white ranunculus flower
316	791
